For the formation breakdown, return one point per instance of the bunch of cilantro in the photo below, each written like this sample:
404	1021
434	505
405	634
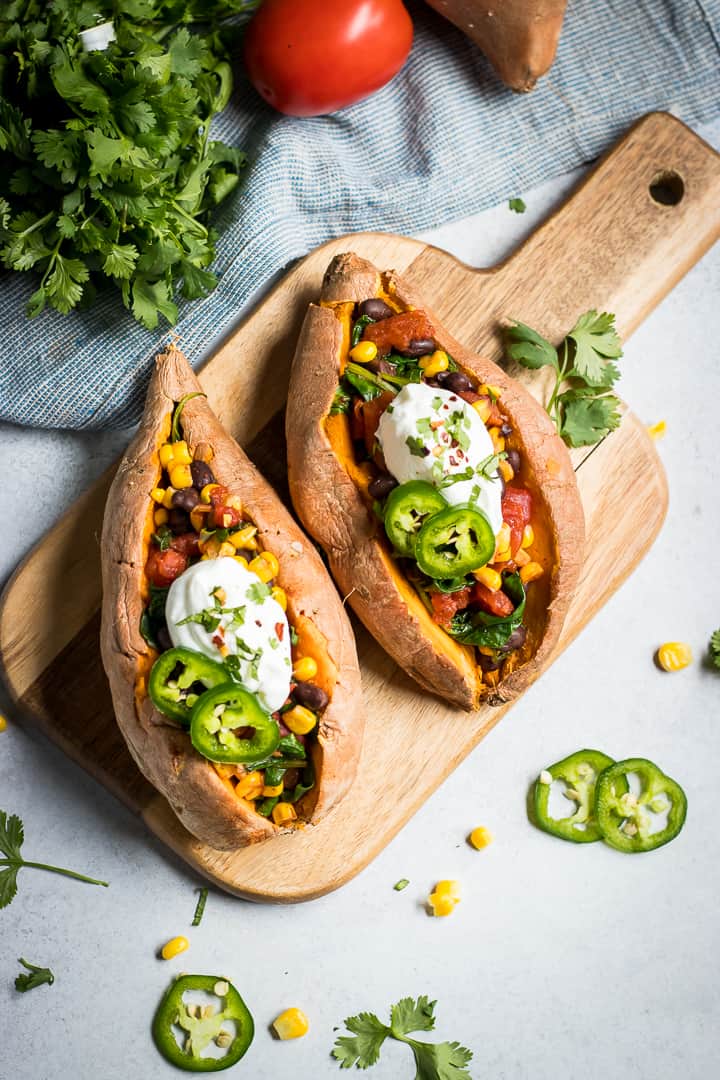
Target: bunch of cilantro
108	173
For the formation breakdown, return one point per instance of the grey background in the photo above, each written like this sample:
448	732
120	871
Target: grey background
560	959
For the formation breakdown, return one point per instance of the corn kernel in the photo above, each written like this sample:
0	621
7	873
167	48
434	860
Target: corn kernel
157	494
497	440
226	771
656	431
483	408
493	391
280	596
506	470
449	888
181	454
160	517
489	578
522	558
435	363
444	898
180	476
363	352
528	536
167	498
283	812
174	947
203	452
502	556
291	1024
531	572
242	560
245	538
250	786
3	723
674	656
265	566
299	720
167	453
197	516
226	550
271	790
480	837
207	492
502	540
305	669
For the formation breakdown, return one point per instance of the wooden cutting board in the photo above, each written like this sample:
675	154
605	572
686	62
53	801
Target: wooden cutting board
645	215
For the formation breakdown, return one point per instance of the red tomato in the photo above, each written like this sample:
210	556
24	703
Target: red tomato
224	517
371	413
186	544
446	604
494	603
517	511
308	58
163	567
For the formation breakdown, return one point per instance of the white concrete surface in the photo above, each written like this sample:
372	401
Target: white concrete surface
561	960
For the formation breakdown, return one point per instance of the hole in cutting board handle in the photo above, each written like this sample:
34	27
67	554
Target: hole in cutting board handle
667	188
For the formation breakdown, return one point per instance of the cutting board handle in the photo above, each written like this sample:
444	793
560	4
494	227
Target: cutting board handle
648	211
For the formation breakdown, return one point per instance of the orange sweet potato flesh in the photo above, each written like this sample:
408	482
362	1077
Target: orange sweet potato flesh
519	37
329	491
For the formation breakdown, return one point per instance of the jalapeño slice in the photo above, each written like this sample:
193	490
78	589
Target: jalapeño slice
198	1032
579	772
229	725
408	507
626	820
454	542
178	678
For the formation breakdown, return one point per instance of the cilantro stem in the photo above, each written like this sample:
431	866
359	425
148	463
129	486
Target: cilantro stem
37	224
53	869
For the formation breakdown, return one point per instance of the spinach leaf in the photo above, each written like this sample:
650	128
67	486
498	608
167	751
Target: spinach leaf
358	328
478	628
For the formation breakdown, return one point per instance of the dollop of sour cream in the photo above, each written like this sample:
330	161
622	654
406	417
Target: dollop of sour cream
216	603
431	434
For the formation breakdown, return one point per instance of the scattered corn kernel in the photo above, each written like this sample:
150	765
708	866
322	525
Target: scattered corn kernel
656	431
449	888
480	837
265	566
167	498
489	578
283	812
226	551
180	476
363	352
250	786
506	470
528	537
483	408
531	572
245	538
160	517
167	453
305	669
299	720
444	898
174	947
203	452
207	492
157	494
674	656
221	987
435	363
271	790
197	516
280	596
291	1024
3	723
503	555
181	454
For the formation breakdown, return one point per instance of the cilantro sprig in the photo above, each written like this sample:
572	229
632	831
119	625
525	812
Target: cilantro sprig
37	976
434	1061
12	837
108	174
581	402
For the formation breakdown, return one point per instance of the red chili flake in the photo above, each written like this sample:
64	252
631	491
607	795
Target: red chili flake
279	630
218	641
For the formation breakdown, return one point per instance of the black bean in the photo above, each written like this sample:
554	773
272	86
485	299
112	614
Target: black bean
311	696
440	379
178	521
186	499
381	486
489	663
513	459
163	639
419	347
202	474
506	429
457	383
516	640
376	309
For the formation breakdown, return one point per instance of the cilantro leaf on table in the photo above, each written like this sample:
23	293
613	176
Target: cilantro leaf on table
37	976
715	648
434	1061
12	837
580	403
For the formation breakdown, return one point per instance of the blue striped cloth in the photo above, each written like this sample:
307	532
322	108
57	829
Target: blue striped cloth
443	140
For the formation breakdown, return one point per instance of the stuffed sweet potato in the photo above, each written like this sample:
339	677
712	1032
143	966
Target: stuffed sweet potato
231	661
443	497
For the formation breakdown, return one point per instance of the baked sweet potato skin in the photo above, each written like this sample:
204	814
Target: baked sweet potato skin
519	37
203	802
335	512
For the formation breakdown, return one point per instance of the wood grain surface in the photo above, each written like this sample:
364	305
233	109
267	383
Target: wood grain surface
612	246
